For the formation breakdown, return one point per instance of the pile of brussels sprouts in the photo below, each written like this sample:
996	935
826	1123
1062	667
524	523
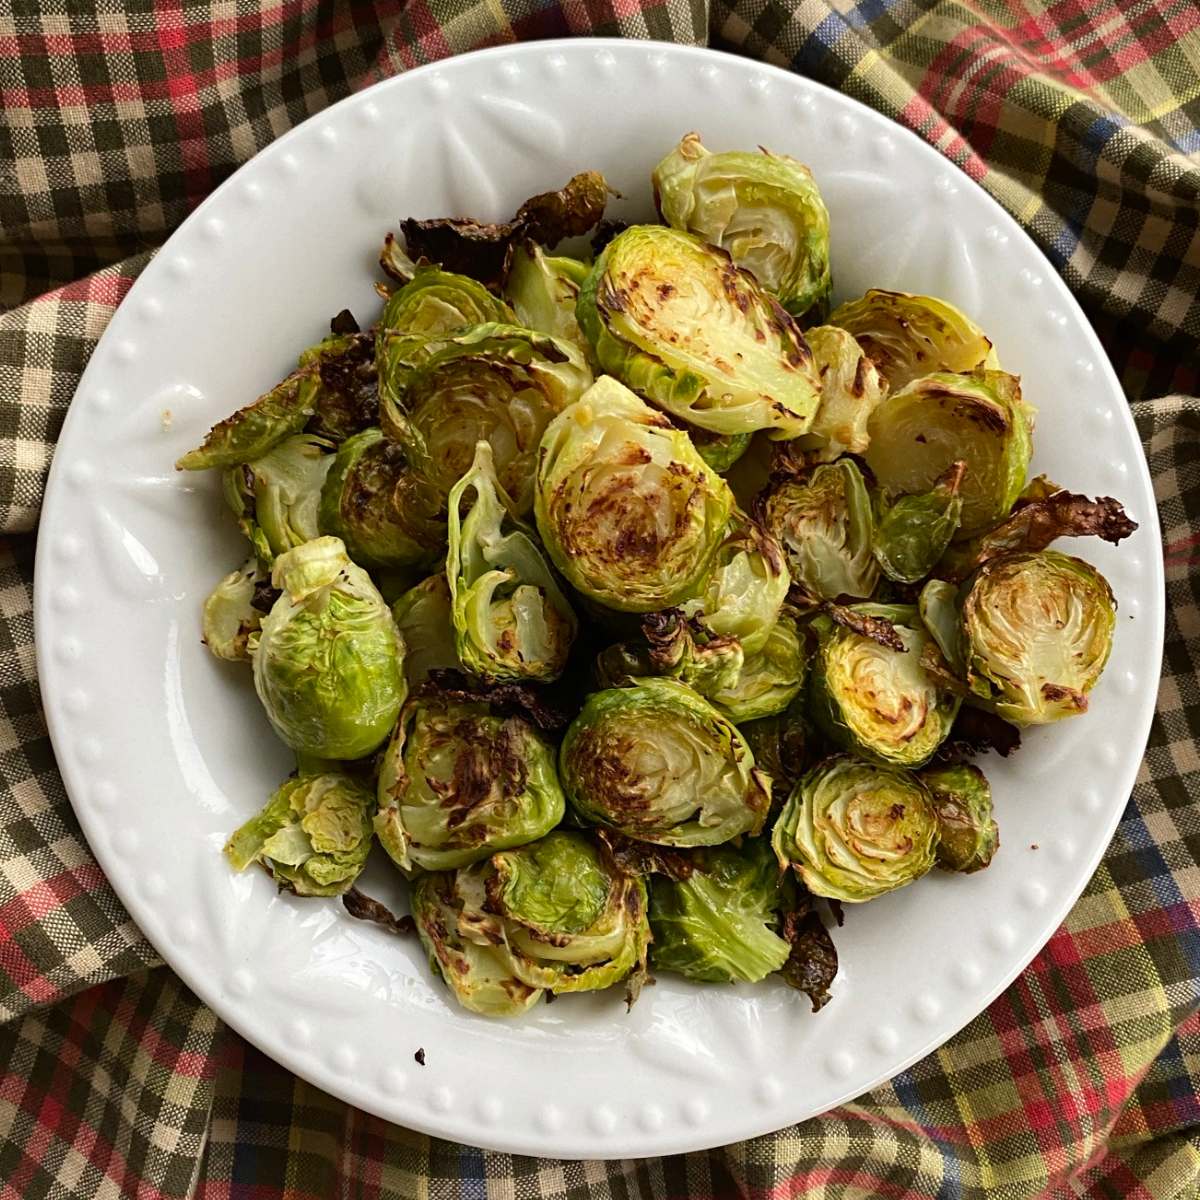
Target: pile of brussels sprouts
633	601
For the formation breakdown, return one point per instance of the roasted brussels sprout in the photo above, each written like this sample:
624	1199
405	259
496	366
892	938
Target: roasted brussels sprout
329	662
387	514
826	526
913	533
658	763
675	646
979	420
1037	630
763	208
674	319
230	619
627	509
720	924
770	678
908	337
568	921
962	802
851	390
348	399
876	699
259	427
494	383
511	619
313	836
458	782
853	831
431	305
719	450
423	616
543	289
477	972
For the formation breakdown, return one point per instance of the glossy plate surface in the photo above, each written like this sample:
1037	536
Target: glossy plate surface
164	750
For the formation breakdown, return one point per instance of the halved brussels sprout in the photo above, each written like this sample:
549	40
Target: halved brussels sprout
763	208
912	534
275	498
477	972
495	383
313	836
962	801
879	700
260	426
826	526
674	319
387	514
568	921
659	763
424	617
542	290
432	304
720	924
851	390
747	587
853	831
627	509
1038	629
908	337
329	662
348	400
458	782
980	420
230	618
719	450
511	619
770	678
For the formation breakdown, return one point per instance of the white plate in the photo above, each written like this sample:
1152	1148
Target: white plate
164	750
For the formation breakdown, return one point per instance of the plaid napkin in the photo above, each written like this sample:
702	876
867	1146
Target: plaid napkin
1082	117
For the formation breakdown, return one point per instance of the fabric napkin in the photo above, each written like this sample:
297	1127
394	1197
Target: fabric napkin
1082	117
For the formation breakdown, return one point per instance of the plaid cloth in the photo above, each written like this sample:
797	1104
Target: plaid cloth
1082	117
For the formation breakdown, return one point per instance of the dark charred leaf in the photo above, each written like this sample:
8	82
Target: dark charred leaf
637	979
839	914
632	857
813	962
976	731
348	401
344	322
364	908
264	596
521	699
605	232
934	664
552	217
419	1056
878	629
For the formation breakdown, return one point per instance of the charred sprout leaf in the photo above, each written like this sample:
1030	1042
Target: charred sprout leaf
1038	627
812	961
719	450
825	524
542	290
628	511
385	512
939	614
869	621
853	831
329	662
658	763
565	919
720	925
511	619
478	971
313	836
394	261
908	337
688	651
508	698
423	616
980	420
913	533
1035	523
976	731
851	390
479	249
605	232
259	427
230	617
876	700
365	908
763	208
769	680
348	399
962	802
675	320
495	383
779	744
459	782
631	857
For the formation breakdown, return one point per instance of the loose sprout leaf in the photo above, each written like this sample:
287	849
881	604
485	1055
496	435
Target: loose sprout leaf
348	399
230	616
812	961
394	261
423	616
542	290
912	534
976	731
366	908
605	232
851	389
720	450
504	696
868	624
962	801
643	858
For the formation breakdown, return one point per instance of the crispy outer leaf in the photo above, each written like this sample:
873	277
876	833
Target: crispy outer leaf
813	961
365	908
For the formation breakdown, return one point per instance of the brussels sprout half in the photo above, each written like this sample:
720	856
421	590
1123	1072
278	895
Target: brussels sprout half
424	617
329	663
853	831
763	208
908	336
511	619
851	390
543	289
962	801
432	304
230	620
826	526
628	511
458	782
980	420
770	678
878	700
657	762
674	319
1037	630
313	836
719	925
